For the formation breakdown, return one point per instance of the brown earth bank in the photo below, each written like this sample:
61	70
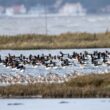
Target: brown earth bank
88	86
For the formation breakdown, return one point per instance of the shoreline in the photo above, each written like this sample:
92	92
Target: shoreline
22	97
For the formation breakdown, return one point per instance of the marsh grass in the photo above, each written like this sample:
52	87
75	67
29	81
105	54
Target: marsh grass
63	41
94	85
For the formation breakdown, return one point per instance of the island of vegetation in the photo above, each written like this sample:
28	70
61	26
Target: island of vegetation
63	41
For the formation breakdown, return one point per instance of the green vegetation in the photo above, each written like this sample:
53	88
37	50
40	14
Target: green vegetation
69	40
94	85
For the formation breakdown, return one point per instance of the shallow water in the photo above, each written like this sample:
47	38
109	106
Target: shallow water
41	73
55	24
61	71
54	104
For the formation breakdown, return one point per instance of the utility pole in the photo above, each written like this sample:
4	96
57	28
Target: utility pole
46	18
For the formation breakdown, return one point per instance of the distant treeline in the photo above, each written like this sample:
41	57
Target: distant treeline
63	41
95	86
92	6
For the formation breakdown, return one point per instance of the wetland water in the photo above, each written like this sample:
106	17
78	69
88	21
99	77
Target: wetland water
54	104
55	24
51	104
40	70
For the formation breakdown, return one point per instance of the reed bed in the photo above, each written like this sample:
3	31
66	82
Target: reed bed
93	85
63	41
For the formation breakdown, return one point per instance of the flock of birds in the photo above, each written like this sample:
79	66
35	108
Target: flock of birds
49	62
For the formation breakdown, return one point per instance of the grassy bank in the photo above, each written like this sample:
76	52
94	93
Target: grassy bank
81	86
74	40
